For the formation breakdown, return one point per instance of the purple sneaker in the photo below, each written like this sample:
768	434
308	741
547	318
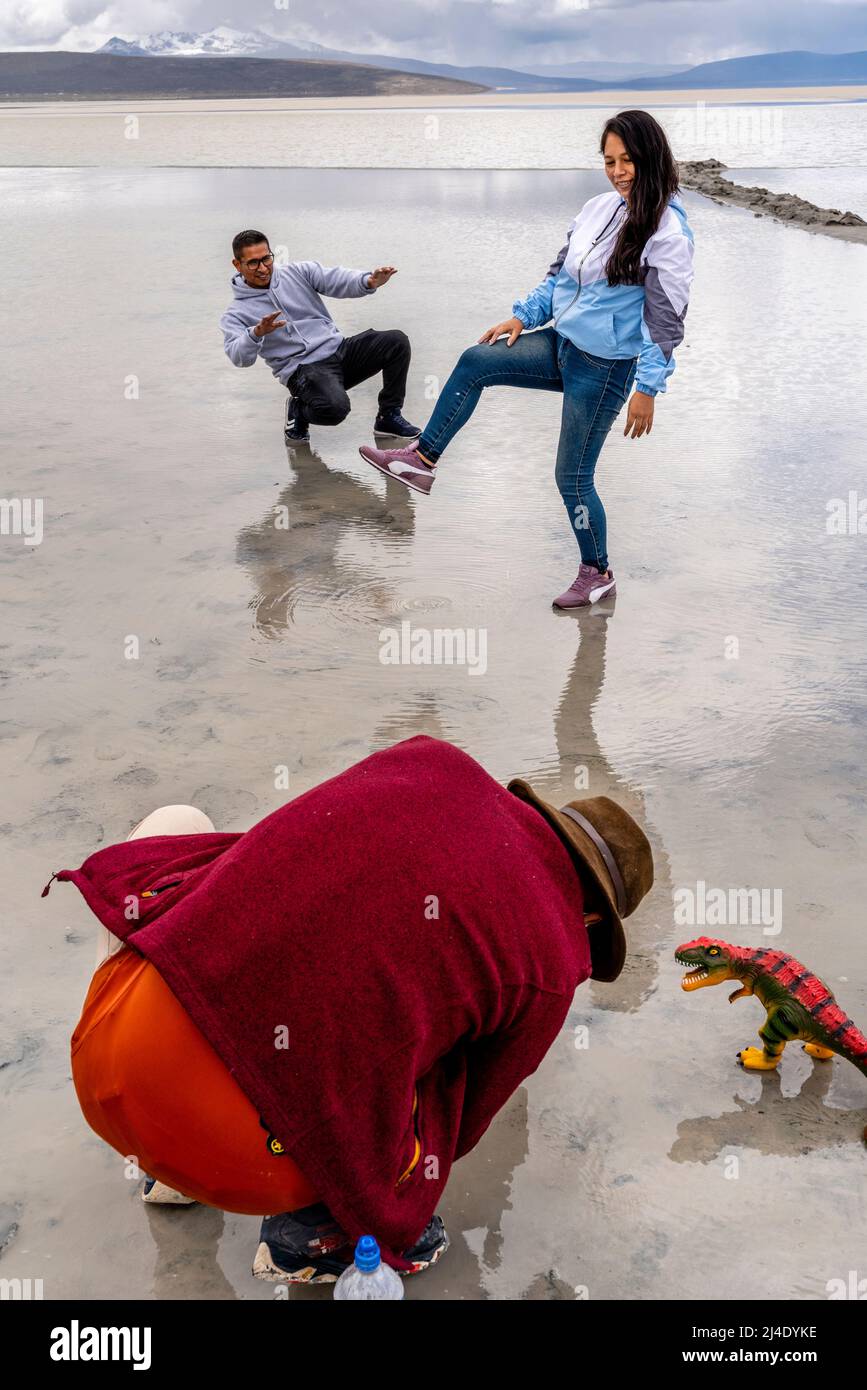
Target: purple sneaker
403	464
589	587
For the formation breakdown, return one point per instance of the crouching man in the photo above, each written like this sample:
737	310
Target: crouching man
278	314
316	1018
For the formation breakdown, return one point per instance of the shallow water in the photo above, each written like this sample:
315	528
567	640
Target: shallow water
721	697
832	186
479	133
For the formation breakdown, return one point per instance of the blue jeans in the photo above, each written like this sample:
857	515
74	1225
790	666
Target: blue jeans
594	391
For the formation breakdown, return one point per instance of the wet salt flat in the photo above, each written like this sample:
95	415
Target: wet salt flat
810	128
721	697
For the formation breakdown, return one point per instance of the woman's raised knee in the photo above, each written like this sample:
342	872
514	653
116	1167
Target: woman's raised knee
476	359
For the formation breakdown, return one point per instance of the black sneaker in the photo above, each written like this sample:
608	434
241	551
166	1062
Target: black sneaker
308	1247
431	1245
390	424
302	1247
296	429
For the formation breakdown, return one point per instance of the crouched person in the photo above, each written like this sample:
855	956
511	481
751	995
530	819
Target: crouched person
277	314
318	1017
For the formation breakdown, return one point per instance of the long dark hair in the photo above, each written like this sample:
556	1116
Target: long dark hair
655	181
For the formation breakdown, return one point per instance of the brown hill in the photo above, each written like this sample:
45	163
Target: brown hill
106	76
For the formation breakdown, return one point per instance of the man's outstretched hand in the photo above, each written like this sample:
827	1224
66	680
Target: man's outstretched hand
381	275
268	324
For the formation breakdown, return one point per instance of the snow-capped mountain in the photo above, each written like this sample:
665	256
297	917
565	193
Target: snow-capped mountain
124	48
221	42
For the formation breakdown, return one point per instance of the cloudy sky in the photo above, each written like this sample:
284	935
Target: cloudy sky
509	32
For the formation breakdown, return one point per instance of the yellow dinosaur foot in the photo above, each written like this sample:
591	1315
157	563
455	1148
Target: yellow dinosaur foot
756	1059
823	1053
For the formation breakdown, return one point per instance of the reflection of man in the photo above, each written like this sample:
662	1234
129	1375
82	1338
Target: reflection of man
414	929
324	508
278	314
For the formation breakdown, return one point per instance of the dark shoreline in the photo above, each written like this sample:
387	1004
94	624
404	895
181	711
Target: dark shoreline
705	176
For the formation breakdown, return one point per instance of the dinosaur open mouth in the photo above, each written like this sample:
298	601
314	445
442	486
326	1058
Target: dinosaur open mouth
695	977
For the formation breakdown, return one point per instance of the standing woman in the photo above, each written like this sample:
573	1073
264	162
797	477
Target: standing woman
615	298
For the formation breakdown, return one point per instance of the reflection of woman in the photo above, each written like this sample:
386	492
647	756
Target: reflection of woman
617	294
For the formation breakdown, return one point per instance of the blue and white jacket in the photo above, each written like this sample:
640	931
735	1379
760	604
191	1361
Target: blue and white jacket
618	321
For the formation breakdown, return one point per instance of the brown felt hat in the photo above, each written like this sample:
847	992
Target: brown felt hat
606	843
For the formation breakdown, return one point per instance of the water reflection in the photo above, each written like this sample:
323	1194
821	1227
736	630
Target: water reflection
771	1121
187	1241
582	769
296	555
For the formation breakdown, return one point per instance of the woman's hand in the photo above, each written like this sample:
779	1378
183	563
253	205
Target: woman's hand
513	327
639	418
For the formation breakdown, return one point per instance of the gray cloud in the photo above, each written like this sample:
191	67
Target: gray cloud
77	23
461	31
505	32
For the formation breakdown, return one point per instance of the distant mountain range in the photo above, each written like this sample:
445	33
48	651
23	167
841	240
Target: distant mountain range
111	76
795	69
225	42
758	70
251	63
605	72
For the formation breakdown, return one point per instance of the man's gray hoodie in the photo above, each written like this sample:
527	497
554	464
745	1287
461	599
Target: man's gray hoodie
310	334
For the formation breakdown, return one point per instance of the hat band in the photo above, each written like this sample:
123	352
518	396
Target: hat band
610	864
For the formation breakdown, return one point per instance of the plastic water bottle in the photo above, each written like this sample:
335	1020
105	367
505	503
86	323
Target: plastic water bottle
368	1277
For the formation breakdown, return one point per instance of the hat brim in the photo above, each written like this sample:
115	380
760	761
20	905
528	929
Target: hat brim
607	938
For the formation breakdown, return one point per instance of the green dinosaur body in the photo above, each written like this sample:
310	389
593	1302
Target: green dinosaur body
798	1004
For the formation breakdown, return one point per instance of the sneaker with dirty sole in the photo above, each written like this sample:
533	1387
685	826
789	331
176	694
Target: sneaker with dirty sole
588	587
305	1246
162	1195
430	1247
308	1247
405	465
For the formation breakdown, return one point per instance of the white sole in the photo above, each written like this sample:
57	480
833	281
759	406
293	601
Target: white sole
161	1195
264	1268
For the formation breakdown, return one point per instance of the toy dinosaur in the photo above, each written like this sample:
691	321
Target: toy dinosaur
799	1005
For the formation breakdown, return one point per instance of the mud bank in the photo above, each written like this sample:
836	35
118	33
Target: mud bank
705	176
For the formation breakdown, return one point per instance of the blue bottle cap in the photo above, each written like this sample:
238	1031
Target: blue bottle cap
367	1254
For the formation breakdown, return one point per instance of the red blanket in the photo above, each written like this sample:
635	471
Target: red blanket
407	923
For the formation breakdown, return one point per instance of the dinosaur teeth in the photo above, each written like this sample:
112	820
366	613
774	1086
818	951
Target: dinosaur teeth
695	973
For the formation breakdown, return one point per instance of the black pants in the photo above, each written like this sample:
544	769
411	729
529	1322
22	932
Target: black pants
320	387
